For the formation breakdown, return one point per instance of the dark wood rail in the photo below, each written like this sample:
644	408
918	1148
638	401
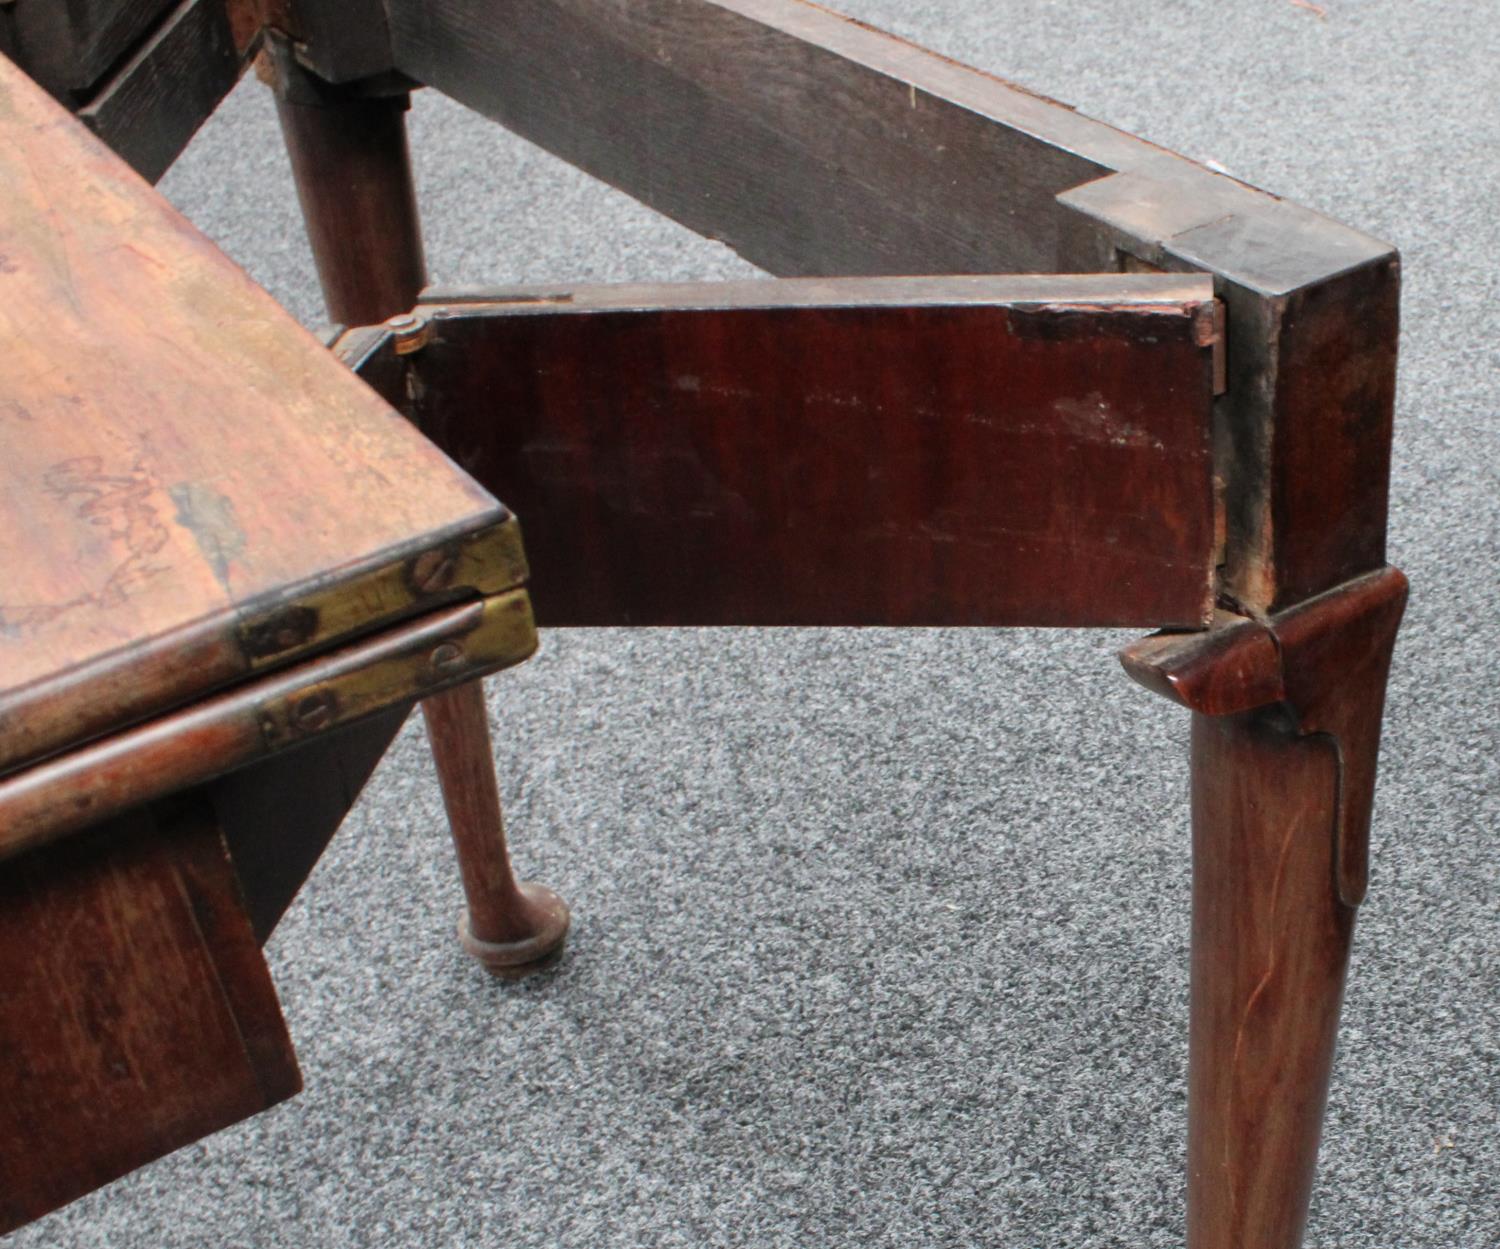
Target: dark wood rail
812	144
896	451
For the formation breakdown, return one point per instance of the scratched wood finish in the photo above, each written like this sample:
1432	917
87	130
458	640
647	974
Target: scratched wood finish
813	144
154	103
214	493
864	451
136	1011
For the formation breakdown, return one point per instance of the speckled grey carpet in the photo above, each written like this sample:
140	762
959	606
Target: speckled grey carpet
881	937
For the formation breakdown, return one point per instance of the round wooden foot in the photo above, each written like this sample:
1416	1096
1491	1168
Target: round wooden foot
548	918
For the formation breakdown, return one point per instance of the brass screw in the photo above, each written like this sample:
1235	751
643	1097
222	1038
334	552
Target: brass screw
434	571
314	712
448	657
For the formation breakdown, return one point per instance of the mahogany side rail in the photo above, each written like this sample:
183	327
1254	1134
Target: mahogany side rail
1174	413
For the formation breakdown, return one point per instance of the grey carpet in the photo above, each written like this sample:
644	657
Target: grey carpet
881	937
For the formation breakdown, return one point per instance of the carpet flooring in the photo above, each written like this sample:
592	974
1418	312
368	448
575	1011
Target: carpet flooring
881	937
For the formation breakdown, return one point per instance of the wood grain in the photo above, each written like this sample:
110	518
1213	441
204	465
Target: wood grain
352	166
215	493
70	44
154	103
813	144
136	1012
1270	948
1335	400
1324	661
1286	732
1336	652
857	451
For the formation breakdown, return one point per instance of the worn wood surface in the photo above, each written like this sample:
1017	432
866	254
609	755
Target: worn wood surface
812	144
1335	403
898	451
136	1012
1326	660
763	125
215	494
1286	731
68	45
93	782
1270	947
1336	653
150	107
1234	667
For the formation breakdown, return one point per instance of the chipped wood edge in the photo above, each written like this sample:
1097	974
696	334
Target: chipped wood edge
1325	661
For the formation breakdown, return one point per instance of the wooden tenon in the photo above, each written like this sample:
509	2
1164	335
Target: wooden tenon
1194	436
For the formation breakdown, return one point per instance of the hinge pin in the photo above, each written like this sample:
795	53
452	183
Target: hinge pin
409	332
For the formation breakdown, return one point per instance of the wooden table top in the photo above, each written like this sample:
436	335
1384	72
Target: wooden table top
192	488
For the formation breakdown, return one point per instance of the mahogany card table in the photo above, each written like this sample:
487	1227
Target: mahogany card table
1013	367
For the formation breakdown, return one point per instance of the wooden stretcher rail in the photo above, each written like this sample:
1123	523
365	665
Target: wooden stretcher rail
897	451
162	757
154	103
812	144
69	45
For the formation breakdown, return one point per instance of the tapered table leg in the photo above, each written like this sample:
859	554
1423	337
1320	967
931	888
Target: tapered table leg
1285	734
352	166
1270	945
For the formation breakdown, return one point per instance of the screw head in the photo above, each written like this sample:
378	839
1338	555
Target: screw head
314	712
434	571
447	657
